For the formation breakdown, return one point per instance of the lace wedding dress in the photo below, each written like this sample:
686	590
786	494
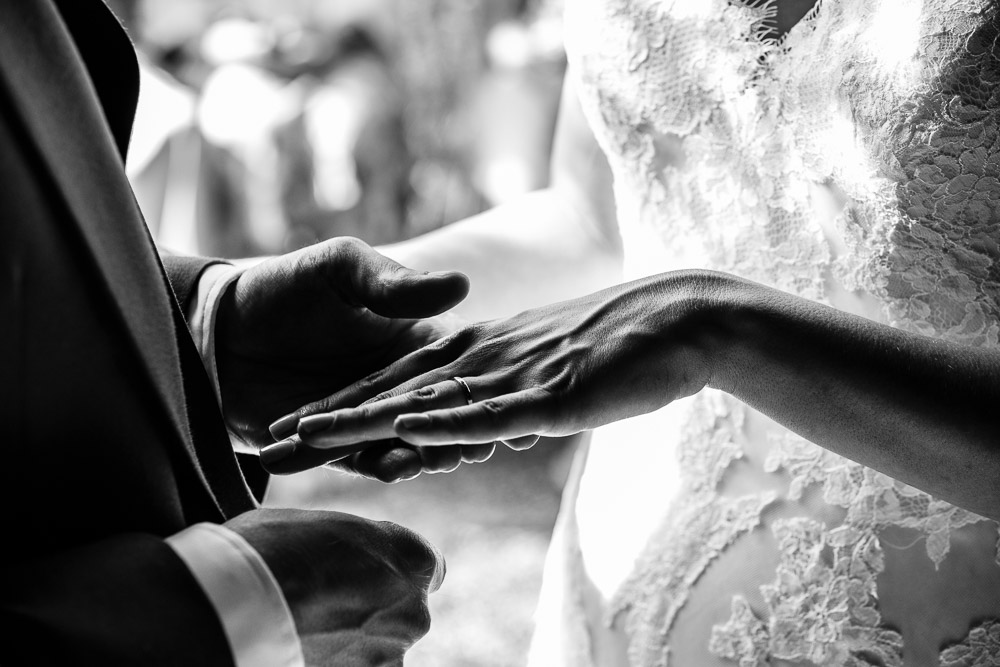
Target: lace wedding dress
855	162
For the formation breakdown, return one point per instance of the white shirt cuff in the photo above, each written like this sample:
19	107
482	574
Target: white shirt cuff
203	312
248	600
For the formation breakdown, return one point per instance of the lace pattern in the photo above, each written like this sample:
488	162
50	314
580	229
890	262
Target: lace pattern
713	440
980	649
717	137
831	584
936	263
695	535
873	501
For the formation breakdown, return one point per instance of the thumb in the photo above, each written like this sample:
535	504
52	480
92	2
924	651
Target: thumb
389	289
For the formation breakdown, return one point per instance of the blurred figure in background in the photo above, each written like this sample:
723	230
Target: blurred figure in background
264	126
185	184
350	165
514	108
294	136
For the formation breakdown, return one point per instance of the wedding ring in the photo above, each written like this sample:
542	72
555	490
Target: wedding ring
465	389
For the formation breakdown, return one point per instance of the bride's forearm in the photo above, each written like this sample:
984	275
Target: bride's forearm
920	409
533	251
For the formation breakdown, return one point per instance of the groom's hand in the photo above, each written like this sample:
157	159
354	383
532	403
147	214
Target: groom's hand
299	327
357	589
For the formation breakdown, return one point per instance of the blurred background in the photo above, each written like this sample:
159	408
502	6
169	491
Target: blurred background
268	125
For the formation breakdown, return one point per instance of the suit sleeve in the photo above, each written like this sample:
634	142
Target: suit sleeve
183	272
185	277
152	609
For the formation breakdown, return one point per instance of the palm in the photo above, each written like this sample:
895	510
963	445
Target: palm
300	327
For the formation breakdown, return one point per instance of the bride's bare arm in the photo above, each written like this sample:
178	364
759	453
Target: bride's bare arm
554	244
922	410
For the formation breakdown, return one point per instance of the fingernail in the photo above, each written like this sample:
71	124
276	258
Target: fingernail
277	452
284	427
413	422
315	423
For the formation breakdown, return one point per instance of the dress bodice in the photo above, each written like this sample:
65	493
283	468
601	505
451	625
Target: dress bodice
855	163
718	136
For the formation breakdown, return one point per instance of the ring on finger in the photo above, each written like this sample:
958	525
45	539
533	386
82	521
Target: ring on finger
465	389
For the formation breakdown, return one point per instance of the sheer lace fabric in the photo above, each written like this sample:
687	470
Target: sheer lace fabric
720	139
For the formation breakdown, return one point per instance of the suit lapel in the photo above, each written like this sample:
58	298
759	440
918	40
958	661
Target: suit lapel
64	117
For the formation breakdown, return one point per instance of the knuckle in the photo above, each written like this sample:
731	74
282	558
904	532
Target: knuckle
328	404
547	404
416	559
343	248
372	380
422	620
413	618
409	620
441	344
491	346
384	395
424	393
363	412
494	411
348	243
442	350
381	396
304	262
467	334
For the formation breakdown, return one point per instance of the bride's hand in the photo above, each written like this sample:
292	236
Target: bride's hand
554	371
387	460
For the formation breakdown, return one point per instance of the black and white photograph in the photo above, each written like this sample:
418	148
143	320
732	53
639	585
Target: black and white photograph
500	333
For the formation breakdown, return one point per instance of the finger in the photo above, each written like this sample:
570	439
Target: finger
432	460
440	459
374	420
476	453
291	455
408	373
503	418
392	461
387	461
392	290
522	443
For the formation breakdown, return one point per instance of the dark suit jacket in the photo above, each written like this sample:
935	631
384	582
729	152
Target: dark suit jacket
113	439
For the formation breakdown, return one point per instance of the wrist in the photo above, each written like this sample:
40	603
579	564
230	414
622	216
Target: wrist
248	600
735	324
224	325
204	314
225	367
710	316
270	535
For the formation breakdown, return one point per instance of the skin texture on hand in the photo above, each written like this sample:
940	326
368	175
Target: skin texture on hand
554	371
299	327
357	588
919	409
